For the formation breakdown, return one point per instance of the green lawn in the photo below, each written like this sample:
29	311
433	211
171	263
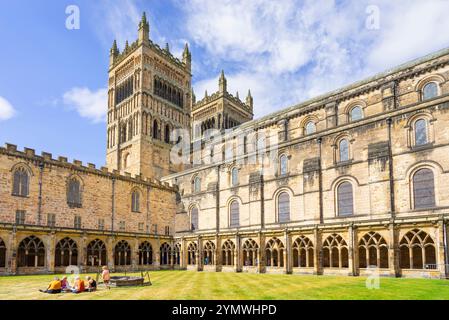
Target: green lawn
211	285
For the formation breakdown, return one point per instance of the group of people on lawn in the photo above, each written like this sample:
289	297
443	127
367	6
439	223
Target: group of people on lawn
90	285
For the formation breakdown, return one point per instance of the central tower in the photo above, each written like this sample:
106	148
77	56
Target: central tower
149	95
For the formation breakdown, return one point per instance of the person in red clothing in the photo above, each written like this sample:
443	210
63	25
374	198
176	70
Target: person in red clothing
79	286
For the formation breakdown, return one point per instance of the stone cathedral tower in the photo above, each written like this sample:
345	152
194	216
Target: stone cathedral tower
149	95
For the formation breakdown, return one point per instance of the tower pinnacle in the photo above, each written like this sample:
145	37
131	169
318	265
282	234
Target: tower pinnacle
222	82
144	29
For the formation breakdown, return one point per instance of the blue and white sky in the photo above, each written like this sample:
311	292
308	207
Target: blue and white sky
53	80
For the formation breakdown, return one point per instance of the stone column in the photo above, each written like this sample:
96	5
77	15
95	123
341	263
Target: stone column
441	258
237	258
110	253
393	251
217	253
351	250
199	254
50	252
288	252
261	255
317	257
135	255
82	252
11	253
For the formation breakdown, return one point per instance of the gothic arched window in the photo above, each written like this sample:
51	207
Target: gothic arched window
20	182
74	193
135	201
194	218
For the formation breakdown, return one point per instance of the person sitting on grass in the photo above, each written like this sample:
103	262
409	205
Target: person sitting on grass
106	276
53	287
91	284
65	286
79	286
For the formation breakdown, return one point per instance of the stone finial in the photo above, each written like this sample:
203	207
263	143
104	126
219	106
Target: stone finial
193	97
167	47
237	95
126	45
187	57
249	99
222	82
144	29
114	49
205	94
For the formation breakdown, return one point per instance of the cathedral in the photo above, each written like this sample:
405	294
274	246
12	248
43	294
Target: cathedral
352	182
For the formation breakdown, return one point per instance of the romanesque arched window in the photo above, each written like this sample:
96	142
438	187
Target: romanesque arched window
227	253
430	90
31	253
74	192
135	201
345	199
234	177
356	113
192	251
234	214
310	128
335	252
283	165
209	253
373	251
66	253
165	253
194	218
302	252
283	207
2	253
145	253
423	189
420	128
122	254
274	251
197	184
96	253
250	252
343	150
21	181
417	251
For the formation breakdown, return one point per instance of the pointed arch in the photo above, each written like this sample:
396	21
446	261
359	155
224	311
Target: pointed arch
250	252
96	253
122	253
66	253
417	250
227	253
303	252
274	251
373	251
145	253
335	252
31	252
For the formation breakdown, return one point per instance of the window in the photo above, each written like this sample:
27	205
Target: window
356	113
335	252
192	253
74	193
283	165
51	219
209	253
135	201
234	214
250	252
421	132
373	251
429	91
197	184
100	224
302	253
344	150
283	207
122	254
165	253
345	199
310	127
2	254
96	253
417	251
140	226
155	130
66	253
194	218
31	253
234	177
423	189
274	251
77	222
167	134
167	230
121	226
20	217
227	253
145	253
20	183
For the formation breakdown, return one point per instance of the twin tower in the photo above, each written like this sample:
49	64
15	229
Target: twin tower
149	95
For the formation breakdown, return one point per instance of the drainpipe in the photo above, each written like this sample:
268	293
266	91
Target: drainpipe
39	206
390	169
113	205
320	181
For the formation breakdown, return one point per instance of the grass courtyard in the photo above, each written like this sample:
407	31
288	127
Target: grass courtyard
224	286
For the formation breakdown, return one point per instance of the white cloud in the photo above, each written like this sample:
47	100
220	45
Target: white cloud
6	110
289	51
89	104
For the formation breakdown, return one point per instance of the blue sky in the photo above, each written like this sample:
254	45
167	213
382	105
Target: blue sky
53	80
